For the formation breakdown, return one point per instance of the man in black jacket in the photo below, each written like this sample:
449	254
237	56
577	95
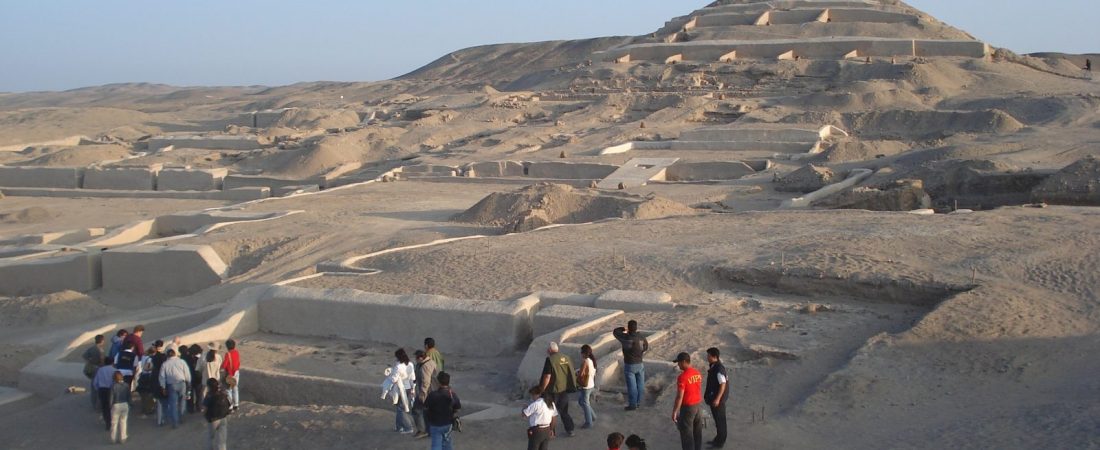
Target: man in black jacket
440	410
634	348
716	394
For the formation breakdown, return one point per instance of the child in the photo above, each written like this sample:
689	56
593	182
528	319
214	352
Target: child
615	441
540	416
120	409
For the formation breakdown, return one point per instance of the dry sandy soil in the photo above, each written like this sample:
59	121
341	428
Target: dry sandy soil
976	329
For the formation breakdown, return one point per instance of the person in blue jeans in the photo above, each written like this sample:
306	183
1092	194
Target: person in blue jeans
440	410
634	347
175	376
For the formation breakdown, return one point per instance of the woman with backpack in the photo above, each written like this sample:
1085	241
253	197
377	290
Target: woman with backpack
216	408
586	381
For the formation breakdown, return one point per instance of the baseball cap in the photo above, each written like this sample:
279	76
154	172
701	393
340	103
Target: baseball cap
683	356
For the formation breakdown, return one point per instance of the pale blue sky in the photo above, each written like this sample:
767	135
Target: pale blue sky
63	44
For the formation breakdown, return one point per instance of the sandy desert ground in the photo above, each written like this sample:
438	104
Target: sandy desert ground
892	250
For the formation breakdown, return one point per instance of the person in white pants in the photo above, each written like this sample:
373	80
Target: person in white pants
120	409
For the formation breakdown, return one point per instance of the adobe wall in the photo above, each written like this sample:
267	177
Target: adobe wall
233	195
247	181
969	49
191	179
794	16
179	269
122	178
226	142
569	171
495	169
469	327
75	272
750	134
41	177
869	16
709	170
727	19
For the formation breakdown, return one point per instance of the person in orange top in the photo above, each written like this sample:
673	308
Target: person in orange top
686	411
231	364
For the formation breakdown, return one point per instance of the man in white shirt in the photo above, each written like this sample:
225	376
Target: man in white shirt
175	376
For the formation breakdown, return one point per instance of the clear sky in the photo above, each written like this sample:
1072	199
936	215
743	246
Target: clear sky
63	44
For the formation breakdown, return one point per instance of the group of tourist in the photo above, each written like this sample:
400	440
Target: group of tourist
560	378
171	381
423	400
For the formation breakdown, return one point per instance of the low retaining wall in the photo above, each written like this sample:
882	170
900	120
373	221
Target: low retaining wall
191	179
122	178
180	269
66	272
234	195
251	181
569	171
470	327
41	177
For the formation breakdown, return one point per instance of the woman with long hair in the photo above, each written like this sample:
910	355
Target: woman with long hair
403	376
586	381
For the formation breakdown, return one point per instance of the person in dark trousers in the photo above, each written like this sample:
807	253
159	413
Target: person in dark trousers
440	410
716	394
216	408
94	357
558	381
634	348
103	382
1088	65
689	397
541	417
426	375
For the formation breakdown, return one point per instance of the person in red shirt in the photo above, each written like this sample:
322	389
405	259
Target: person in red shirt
686	411
231	364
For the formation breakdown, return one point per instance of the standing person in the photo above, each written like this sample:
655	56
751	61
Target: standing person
433	353
195	360
540	415
586	381
615	441
558	380
148	387
103	382
174	378
216	412
426	374
135	339
210	367
1088	65
94	357
120	409
634	348
440	409
403	375
116	342
158	357
716	394
685	411
126	361
231	365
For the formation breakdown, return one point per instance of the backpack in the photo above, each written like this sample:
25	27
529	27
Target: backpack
219	406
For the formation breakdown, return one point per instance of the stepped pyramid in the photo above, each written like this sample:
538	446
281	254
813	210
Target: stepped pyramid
796	29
